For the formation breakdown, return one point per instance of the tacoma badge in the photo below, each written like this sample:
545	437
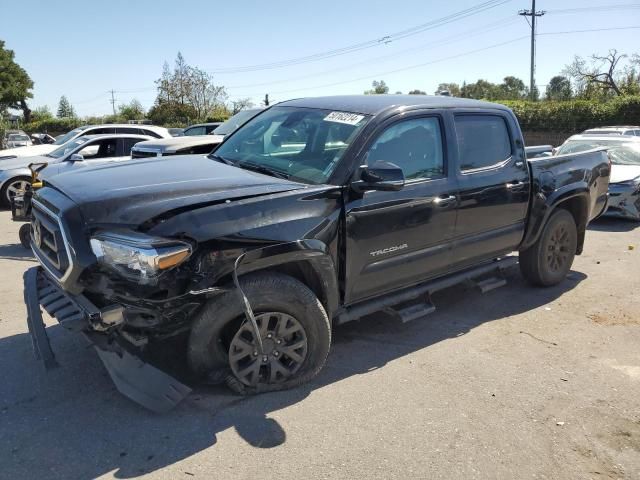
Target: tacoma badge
384	251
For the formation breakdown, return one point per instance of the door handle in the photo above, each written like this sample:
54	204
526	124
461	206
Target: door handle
516	186
444	200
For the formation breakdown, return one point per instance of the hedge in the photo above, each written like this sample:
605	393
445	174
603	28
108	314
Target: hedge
574	116
52	126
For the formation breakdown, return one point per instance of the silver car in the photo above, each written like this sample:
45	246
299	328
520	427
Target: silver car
624	184
86	150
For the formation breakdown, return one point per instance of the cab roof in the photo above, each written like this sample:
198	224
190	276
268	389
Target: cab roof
374	104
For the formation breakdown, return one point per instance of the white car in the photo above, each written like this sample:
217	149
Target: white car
84	151
150	130
624	183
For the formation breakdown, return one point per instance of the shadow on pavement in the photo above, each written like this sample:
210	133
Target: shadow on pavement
72	423
610	224
15	251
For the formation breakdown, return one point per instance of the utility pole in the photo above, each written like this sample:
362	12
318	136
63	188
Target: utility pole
113	101
533	14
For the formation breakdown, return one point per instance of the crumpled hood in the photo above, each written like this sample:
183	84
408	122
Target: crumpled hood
135	191
27	151
620	173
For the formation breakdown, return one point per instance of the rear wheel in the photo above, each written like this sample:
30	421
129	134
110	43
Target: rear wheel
13	187
548	261
293	326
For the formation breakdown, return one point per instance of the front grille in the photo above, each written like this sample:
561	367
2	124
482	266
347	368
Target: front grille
47	240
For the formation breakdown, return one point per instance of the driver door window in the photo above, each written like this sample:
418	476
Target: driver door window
413	145
102	149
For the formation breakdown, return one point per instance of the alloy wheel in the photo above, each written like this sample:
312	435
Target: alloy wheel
284	342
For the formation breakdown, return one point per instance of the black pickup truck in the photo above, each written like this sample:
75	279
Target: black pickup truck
316	212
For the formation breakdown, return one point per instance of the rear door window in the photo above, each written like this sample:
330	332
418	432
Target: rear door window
100	131
483	141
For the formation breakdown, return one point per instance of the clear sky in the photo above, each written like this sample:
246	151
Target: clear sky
82	49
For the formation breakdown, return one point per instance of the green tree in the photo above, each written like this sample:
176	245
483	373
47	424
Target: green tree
453	89
15	84
417	92
65	109
188	90
482	89
132	111
41	113
559	88
511	88
378	88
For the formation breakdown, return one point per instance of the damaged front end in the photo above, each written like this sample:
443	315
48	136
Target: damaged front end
133	373
624	200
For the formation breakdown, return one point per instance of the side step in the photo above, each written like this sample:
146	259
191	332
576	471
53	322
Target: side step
411	312
408	304
489	284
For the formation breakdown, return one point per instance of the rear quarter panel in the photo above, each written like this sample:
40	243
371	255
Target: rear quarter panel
583	175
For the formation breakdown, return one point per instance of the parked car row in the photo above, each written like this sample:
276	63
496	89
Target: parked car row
313	213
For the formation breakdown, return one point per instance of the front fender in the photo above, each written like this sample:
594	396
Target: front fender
7	175
314	252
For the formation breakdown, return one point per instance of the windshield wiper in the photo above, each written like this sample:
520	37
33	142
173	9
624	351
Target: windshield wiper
261	169
218	158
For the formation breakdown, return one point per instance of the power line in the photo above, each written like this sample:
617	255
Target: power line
596	8
385	39
450	57
444	41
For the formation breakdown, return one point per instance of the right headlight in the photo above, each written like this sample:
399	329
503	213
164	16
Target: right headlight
138	256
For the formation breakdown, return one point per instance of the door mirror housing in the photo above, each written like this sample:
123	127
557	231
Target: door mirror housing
76	157
384	176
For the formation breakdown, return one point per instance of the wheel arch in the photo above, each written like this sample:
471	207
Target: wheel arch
308	261
575	201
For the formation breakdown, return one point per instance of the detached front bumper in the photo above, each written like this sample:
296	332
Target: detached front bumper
140	381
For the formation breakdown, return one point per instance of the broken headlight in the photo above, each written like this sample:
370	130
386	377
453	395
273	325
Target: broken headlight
138	256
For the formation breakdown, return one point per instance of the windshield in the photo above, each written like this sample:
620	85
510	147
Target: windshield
68	136
18	138
302	143
67	148
236	121
575	146
625	155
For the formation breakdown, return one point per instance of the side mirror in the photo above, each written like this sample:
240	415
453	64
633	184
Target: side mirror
76	157
384	176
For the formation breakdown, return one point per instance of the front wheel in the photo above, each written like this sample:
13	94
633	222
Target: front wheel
25	235
294	329
548	261
13	187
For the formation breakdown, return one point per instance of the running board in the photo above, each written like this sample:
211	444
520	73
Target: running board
411	312
489	284
412	295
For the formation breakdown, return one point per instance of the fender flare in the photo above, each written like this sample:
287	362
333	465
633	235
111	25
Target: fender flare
543	206
314	252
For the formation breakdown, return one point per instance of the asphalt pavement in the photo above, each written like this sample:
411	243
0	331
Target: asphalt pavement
520	382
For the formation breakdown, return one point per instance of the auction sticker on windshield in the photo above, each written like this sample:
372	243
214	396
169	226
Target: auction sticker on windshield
344	117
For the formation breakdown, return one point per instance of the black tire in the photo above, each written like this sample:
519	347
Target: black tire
25	235
548	261
4	191
218	324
